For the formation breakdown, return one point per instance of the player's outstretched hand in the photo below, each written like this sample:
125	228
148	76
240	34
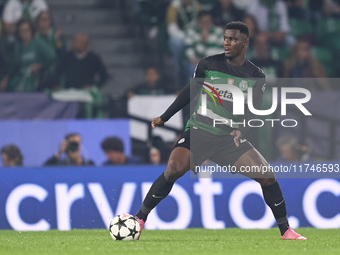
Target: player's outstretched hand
157	122
237	136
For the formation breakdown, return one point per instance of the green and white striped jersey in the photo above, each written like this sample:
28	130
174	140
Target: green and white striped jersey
215	72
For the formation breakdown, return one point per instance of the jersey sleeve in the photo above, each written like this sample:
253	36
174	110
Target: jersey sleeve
257	99
186	94
200	70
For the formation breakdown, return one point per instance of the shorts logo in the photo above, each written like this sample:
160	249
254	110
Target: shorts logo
181	141
243	140
243	85
230	81
279	203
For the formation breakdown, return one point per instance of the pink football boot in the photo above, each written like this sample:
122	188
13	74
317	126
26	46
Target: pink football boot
141	224
290	234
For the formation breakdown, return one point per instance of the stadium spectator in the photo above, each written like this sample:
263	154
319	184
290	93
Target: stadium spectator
3	73
11	155
290	149
151	13
272	68
181	14
332	8
154	156
47	32
84	72
296	9
316	9
202	41
71	147
114	151
152	84
53	37
2	5
272	18
250	21
32	57
301	64
158	143
225	11
7	46
16	10
80	66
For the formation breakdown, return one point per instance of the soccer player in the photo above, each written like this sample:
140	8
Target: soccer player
221	144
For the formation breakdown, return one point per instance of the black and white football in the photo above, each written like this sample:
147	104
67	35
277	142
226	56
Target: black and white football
124	227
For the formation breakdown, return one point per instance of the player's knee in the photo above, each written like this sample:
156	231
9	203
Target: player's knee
174	170
267	181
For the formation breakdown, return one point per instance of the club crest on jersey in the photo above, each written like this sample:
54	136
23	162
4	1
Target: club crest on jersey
230	81
243	85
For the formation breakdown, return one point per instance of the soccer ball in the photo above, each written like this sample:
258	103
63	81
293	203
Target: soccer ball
124	227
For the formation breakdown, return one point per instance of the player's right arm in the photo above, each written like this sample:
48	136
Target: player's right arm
184	98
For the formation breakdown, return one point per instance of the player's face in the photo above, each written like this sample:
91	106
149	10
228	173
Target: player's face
234	43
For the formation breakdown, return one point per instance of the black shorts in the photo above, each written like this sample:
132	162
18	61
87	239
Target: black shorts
219	149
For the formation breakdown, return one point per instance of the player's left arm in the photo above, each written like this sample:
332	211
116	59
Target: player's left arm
258	90
183	99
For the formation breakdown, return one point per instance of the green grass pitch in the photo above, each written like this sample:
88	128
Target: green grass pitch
190	241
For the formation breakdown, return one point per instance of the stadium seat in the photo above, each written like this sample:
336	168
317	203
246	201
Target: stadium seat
333	41
322	54
300	27
328	27
330	70
279	53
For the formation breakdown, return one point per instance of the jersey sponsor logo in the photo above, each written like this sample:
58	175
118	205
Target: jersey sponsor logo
230	81
208	92
181	141
243	85
214	78
225	94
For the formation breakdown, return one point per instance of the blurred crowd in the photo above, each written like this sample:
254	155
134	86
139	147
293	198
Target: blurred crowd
71	153
288	39
34	55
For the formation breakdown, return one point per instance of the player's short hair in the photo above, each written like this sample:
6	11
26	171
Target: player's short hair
238	25
13	153
112	144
